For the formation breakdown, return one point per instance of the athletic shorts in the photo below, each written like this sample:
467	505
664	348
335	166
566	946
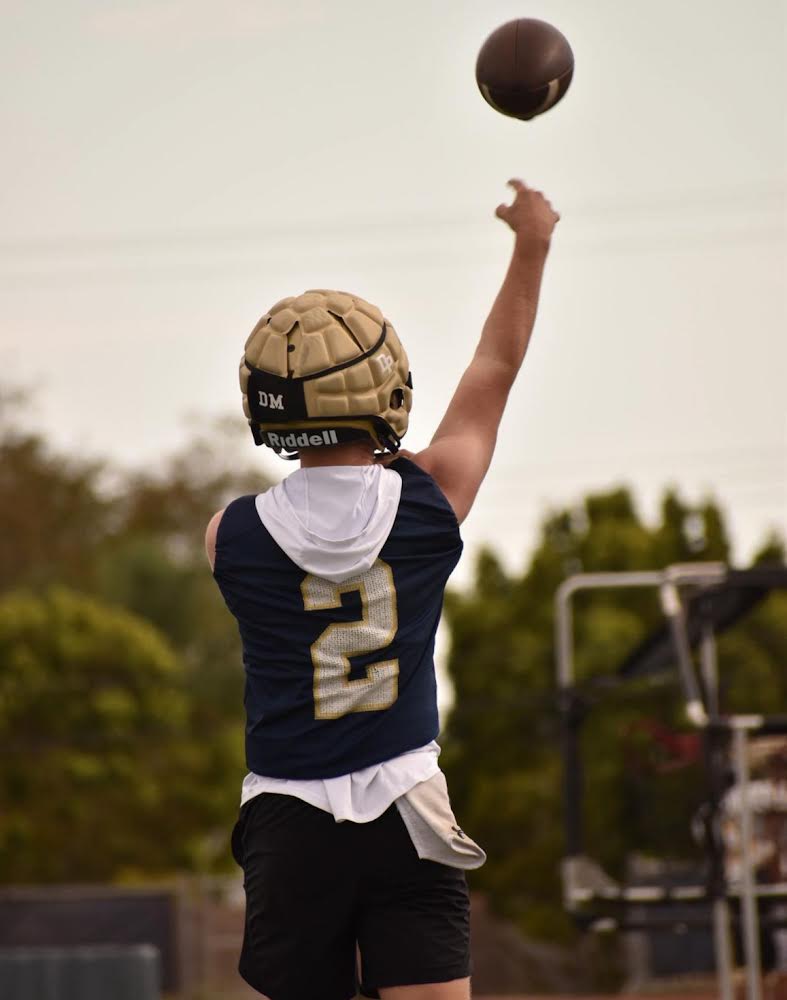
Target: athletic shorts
319	894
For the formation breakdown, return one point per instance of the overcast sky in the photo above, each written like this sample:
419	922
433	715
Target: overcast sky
171	168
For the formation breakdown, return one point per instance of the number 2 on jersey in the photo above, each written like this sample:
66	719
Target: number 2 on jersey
335	694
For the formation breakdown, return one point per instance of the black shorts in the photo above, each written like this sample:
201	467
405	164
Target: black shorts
319	892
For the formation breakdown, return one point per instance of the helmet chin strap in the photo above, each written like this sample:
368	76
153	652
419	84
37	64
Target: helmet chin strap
287	439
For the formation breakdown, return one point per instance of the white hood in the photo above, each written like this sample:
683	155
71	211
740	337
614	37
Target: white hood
332	521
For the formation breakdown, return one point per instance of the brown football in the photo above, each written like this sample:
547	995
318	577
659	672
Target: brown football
524	68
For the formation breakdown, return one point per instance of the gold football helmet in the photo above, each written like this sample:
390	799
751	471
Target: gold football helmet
325	368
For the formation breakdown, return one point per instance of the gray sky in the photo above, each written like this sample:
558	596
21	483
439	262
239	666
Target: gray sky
173	167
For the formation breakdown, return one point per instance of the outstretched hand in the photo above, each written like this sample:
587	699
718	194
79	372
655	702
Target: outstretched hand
530	215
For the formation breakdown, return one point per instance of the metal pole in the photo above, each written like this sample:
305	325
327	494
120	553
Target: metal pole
673	611
709	667
563	635
750	919
722	945
563	614
571	711
571	726
569	723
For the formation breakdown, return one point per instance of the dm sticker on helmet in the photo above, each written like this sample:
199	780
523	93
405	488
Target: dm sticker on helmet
385	362
271	400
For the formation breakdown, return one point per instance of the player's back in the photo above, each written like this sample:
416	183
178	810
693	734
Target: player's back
339	659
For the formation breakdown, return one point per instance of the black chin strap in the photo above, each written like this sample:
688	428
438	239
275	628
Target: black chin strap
287	441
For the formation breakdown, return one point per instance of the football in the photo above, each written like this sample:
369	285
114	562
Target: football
524	68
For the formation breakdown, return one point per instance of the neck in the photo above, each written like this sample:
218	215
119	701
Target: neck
352	453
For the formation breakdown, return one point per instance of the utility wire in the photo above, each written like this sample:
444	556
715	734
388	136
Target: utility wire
682	205
416	258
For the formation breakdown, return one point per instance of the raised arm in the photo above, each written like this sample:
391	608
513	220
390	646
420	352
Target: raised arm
462	447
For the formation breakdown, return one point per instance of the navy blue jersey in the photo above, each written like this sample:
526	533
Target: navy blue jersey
339	676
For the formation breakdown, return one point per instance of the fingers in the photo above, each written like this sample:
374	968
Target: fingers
521	188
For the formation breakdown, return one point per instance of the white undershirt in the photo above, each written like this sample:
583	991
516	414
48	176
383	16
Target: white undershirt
333	521
361	796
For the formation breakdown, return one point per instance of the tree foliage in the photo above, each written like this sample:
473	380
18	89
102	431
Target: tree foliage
53	514
96	725
120	677
501	744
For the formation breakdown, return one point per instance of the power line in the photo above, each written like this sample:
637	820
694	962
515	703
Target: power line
720	240
682	204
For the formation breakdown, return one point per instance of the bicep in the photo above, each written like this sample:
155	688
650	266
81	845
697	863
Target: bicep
477	405
460	453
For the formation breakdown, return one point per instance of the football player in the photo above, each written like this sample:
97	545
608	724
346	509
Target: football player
336	578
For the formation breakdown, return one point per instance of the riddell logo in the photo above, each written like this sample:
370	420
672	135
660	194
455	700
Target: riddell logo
270	401
303	440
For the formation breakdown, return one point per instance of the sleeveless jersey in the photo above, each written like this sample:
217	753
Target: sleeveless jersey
339	676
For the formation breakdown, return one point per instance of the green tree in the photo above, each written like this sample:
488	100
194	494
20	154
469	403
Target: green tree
103	769
133	540
501	741
53	514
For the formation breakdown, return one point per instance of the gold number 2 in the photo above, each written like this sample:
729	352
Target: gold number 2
335	694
